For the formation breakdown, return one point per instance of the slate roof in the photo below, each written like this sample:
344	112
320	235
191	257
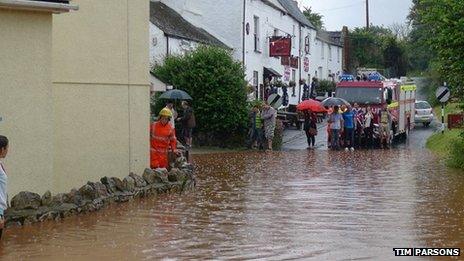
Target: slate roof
295	12
174	25
326	37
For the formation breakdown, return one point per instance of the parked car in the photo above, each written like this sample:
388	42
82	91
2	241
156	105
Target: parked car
423	113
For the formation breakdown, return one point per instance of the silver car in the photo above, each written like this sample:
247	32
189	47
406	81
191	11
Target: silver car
423	113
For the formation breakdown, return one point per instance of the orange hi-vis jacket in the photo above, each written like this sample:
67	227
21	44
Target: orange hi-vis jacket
161	137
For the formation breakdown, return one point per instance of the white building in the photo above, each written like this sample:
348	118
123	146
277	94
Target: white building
328	60
171	34
247	27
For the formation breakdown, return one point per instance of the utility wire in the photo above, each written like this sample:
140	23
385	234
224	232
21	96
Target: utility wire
340	7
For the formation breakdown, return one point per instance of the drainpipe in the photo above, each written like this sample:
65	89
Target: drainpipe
243	32
167	46
299	66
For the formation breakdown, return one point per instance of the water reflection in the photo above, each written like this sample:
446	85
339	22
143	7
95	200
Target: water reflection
299	204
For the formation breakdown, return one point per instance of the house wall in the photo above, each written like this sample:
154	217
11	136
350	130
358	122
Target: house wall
100	91
26	110
324	62
223	19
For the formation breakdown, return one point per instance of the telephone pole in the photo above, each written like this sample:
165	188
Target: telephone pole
367	14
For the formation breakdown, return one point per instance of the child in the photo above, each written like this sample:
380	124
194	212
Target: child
3	181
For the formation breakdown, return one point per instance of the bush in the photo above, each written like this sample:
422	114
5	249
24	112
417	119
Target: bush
326	86
215	82
456	159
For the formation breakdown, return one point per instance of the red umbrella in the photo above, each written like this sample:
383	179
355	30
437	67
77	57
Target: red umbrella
311	105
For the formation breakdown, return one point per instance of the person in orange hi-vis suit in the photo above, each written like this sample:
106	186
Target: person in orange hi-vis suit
162	136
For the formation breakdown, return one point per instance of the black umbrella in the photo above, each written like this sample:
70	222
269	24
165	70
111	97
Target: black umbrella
175	95
333	101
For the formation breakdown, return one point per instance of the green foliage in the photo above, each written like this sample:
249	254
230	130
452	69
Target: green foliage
444	22
377	47
215	82
253	103
456	160
156	104
314	18
326	86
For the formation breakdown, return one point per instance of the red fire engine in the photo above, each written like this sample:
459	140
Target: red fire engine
379	93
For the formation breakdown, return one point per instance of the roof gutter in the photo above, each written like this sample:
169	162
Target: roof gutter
37	6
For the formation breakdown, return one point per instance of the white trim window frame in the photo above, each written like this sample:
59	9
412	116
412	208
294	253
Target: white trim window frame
257	46
308	44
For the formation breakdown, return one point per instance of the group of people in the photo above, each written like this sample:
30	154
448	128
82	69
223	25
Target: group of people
262	126
354	127
163	133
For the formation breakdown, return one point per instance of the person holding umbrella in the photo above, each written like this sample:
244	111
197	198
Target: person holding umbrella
310	127
170	106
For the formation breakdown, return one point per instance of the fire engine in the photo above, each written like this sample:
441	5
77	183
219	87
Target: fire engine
370	88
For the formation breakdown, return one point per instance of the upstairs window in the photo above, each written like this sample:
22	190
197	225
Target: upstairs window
330	53
256	33
322	50
307	47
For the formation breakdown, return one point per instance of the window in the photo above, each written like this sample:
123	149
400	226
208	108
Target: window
322	50
294	82
256	33
293	38
330	74
330	53
308	44
255	83
338	55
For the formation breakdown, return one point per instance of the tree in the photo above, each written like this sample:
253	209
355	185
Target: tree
314	18
445	23
378	47
216	83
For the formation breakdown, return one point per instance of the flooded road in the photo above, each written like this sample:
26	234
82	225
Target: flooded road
282	205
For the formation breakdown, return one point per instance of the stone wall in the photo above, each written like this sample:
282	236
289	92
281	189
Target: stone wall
28	207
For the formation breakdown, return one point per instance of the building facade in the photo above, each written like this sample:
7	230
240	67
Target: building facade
248	26
171	34
77	105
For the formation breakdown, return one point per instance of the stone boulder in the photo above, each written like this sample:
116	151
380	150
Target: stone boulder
47	198
149	176
113	184
129	183
176	175
161	175
26	200
73	197
88	192
180	161
100	189
139	181
58	199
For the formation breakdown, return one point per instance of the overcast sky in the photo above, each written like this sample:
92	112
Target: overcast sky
352	13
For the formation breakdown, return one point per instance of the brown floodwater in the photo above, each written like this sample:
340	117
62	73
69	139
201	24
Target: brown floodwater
317	205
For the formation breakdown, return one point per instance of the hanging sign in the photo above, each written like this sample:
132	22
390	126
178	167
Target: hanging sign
306	64
280	46
294	62
287	72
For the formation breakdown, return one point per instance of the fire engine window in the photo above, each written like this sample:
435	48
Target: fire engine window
360	95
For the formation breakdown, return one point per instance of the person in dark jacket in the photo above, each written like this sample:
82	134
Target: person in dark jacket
188	123
310	128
